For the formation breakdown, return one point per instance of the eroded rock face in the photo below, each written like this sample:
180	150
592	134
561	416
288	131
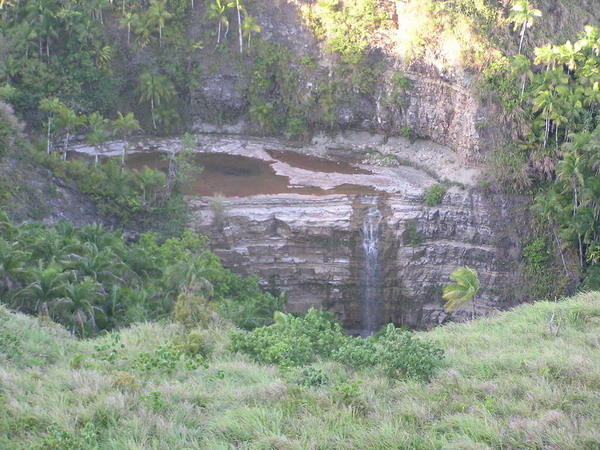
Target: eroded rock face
372	252
312	248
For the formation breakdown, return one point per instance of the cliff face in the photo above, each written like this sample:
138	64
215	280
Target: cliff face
372	251
316	250
351	237
438	103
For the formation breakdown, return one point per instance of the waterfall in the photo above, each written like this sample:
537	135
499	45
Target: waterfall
372	269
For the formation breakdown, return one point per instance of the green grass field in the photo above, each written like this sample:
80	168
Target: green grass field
507	382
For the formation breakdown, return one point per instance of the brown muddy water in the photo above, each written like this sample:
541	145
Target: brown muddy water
240	176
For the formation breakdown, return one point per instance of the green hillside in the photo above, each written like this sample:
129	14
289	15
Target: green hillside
528	378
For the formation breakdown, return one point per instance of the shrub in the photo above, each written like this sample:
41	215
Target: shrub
291	341
313	377
434	194
295	341
401	355
193	344
357	352
407	131
191	311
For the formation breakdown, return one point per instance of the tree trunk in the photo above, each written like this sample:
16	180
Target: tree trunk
522	36
240	26
152	110
562	257
49	143
66	144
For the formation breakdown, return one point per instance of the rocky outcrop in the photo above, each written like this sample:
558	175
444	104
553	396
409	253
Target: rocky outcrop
358	239
312	248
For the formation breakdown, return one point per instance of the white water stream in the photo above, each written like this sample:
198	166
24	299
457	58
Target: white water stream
372	269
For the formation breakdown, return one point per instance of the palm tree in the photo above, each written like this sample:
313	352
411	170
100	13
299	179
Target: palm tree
570	171
99	134
568	55
155	88
128	20
250	26
217	11
148	181
548	206
463	290
9	67
100	265
78	305
189	277
52	106
124	126
69	120
547	55
47	284
238	6
12	265
158	15
520	66
523	15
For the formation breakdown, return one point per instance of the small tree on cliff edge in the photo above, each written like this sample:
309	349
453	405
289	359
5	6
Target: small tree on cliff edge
463	290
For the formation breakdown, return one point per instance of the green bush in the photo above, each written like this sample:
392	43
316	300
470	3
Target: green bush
291	341
191	310
295	341
313	377
398	352
357	352
401	355
193	344
434	194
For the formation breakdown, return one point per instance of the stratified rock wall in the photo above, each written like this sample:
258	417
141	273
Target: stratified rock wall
310	247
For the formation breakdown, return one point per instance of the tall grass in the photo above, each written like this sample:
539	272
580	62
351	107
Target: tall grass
508	382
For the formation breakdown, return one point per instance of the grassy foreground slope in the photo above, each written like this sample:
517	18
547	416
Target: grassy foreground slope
508	381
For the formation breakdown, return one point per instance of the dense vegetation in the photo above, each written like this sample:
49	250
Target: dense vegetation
555	99
90	279
525	379
172	349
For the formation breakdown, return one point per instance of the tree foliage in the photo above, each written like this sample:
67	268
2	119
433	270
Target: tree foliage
463	290
90	279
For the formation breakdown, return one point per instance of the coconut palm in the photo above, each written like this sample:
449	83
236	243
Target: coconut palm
158	15
523	15
79	305
99	134
52	106
463	290
217	12
250	26
47	283
68	120
12	265
155	88
124	126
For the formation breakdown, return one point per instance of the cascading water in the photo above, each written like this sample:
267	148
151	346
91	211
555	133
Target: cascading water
372	269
